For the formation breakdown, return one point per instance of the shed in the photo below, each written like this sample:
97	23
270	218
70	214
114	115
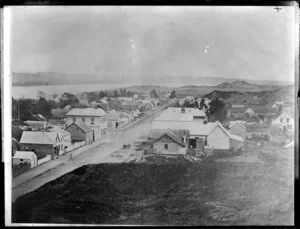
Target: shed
25	157
42	143
169	143
80	132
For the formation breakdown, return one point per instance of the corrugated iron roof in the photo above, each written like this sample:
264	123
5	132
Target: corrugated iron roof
97	112
155	133
172	135
39	137
25	155
82	126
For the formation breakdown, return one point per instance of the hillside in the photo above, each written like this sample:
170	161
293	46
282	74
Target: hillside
285	94
53	78
225	191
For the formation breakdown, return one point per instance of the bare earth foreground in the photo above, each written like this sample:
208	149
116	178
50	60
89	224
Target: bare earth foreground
252	188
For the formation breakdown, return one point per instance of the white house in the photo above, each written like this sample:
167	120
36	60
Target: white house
25	157
250	112
113	120
66	135
213	134
285	122
278	105
92	117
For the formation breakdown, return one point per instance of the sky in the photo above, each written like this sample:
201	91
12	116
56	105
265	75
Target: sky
232	42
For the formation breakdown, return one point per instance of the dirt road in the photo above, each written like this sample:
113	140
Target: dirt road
99	152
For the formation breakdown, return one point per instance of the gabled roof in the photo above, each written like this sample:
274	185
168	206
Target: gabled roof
24	155
96	112
82	126
171	135
59	130
155	133
236	123
39	137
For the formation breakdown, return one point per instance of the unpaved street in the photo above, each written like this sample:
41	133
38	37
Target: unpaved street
97	153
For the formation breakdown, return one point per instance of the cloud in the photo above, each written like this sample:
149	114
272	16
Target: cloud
158	40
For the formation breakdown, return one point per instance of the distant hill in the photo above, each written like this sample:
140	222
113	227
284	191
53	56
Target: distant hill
237	84
285	94
53	78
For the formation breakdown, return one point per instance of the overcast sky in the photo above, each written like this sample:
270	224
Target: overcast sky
234	42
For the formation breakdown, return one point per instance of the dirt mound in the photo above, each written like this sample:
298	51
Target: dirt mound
179	192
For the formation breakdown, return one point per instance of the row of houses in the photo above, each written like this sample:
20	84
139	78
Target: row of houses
181	129
81	125
279	130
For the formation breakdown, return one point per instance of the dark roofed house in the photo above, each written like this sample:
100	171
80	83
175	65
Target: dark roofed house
113	119
80	132
170	142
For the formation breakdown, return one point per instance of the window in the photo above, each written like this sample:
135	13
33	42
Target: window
281	119
83	119
166	146
289	127
21	159
74	119
92	120
287	120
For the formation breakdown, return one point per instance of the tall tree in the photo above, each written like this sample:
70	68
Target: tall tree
153	94
217	110
173	95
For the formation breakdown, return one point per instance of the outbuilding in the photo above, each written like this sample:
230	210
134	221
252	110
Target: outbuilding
170	143
80	132
25	157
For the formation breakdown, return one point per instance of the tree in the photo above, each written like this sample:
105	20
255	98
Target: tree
201	104
188	104
153	94
173	95
44	107
217	110
116	94
68	99
92	96
102	94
